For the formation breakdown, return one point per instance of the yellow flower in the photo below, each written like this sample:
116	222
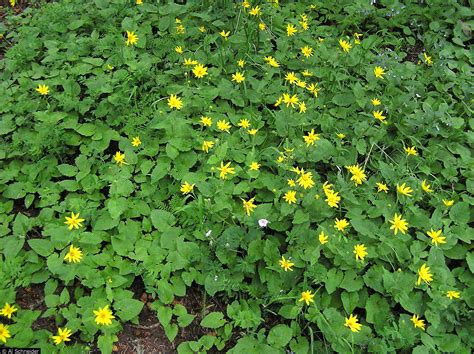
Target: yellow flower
206	121
136	141
202	29
291	77
119	158
314	89
42	89
223	126
417	323
249	206
357	37
290	197
398	224
379	115
175	102
302	107
290	100
352	323
307	297
240	63
180	29
271	61
345	45
245	4
436	237
404	190
290	30
311	138
428	59
254	166
103	316
375	102
255	11
305	180
379	72
341	224
307	73
238	77
225	169
62	336
200	71
132	38
224	34
261	26
341	135
358	174
327	188
333	199
291	183
307	51
381	187
74	255
304	25
323	238
12	3
252	131
286	264
178	49
4	333
8	310
426	187
453	294
206	145
187	188
411	151
360	252
73	222
244	123
189	62
424	274
448	203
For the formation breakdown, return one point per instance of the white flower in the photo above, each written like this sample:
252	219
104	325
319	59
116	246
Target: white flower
208	233
263	223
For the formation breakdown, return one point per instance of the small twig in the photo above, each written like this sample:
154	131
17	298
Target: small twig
155	325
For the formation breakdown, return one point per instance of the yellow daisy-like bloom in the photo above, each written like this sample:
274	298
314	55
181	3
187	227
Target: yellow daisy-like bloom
381	187
245	4
453	294
375	102
290	197
187	188
436	237
411	151
360	252
73	222
180	29
307	51
178	49
175	102
341	224
427	59
190	62
358	174
417	323
238	77
224	34
4	333
261	26
252	131
323	238
404	190
341	135
240	63
345	45
136	141
74	255
314	89
8	310
305	180
290	100
398	224
200	71
379	115
271	61
357	37
255	11
307	297
379	72
426	187
425	275
139	2
223	126
353	323
254	166
248	205
291	183
206	145
244	123
202	29
448	202
302	107
286	264
301	83
311	138
12	3
206	121
119	158
132	38
327	187
333	199
307	73
290	30
62	336
103	316
42	90
225	170
291	77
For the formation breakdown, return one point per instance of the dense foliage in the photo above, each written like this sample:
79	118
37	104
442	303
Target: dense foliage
307	161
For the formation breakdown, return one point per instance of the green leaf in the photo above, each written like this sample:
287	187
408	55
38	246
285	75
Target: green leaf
460	213
279	336
67	170
128	309
42	247
165	291
213	320
162	219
